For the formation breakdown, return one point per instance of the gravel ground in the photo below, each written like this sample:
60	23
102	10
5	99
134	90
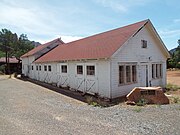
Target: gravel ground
26	108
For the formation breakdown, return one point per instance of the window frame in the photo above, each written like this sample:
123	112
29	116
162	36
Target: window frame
144	44
62	70
153	71
49	68
121	75
77	70
157	68
39	67
132	74
45	67
128	74
90	72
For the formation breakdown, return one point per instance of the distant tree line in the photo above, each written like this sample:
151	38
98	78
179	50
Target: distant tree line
174	61
12	45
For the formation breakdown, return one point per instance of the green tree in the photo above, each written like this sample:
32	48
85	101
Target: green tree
12	45
174	61
16	46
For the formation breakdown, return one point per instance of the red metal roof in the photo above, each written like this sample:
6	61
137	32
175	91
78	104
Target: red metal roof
11	60
102	45
40	47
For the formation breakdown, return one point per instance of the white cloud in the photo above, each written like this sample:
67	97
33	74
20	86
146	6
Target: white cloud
30	20
67	39
169	33
64	38
176	20
42	21
122	5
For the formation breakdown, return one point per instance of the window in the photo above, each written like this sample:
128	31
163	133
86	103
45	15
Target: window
144	43
49	68
64	68
153	71
128	74
121	74
32	67
45	68
134	76
28	66
156	71
80	69
90	70
36	67
39	68
160	70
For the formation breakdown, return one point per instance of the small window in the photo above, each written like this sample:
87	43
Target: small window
144	43
64	68
121	74
128	74
39	68
80	69
49	68
36	67
160	70
134	76
157	76
153	71
32	67
45	68
90	70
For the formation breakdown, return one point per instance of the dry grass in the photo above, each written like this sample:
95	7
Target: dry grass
173	81
173	77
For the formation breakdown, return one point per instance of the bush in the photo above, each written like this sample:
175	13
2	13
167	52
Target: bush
141	102
172	87
176	100
2	68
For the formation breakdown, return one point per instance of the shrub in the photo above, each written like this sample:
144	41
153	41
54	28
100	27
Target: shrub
2	69
176	100
141	102
172	87
95	104
89	100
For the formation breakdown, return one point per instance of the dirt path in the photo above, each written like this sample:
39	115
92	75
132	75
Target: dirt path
173	77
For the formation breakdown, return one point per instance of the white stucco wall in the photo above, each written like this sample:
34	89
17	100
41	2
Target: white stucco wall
26	64
132	51
100	83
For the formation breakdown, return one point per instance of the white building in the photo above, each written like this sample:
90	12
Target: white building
29	57
109	64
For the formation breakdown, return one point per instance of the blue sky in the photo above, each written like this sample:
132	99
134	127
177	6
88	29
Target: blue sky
44	20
